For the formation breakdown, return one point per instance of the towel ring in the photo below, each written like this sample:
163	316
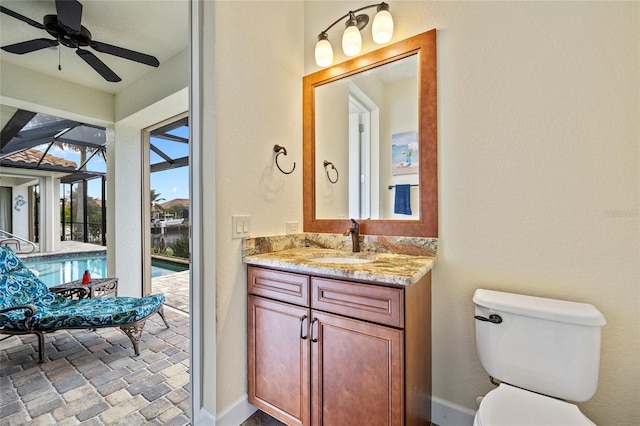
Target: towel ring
282	150
329	163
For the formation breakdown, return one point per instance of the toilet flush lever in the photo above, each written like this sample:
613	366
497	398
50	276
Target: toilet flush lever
496	319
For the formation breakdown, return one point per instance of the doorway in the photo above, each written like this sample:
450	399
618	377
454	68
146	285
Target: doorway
364	143
166	256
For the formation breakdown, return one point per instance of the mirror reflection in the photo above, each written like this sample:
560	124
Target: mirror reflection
366	125
370	142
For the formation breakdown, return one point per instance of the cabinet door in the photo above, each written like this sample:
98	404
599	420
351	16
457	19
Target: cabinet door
357	372
278	358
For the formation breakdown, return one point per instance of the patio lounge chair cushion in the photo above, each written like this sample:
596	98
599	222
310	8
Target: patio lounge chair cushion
9	261
57	312
20	286
28	307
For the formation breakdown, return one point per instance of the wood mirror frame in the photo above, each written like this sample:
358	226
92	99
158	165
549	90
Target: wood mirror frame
424	45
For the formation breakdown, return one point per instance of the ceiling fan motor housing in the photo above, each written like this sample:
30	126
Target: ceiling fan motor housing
64	36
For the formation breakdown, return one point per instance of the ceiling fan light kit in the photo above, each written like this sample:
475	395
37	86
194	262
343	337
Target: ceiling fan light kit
66	28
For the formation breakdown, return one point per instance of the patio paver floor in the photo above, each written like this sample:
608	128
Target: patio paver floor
92	377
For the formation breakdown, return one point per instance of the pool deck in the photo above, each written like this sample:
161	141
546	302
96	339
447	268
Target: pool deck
92	378
174	286
67	247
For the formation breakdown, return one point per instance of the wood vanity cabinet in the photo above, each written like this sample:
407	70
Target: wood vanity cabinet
325	351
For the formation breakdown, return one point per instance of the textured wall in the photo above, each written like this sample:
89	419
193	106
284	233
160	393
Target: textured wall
253	69
538	168
538	107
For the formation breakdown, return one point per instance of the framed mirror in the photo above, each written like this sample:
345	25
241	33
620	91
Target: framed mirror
370	142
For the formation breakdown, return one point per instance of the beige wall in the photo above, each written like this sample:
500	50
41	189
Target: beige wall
332	124
538	107
399	116
252	100
538	157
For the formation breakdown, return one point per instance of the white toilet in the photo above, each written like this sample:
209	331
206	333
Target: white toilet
542	352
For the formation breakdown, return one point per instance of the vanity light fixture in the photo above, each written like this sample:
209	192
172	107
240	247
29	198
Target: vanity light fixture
382	31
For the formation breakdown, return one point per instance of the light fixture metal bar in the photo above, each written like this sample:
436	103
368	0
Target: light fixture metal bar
346	15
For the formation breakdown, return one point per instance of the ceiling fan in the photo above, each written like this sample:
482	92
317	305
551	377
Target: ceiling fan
67	30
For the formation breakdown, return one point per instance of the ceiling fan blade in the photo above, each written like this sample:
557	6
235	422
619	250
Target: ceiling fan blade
69	15
22	18
30	46
125	53
100	67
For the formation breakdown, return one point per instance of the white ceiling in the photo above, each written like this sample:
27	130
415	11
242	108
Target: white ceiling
155	27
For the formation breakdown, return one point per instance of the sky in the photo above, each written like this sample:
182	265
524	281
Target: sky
171	184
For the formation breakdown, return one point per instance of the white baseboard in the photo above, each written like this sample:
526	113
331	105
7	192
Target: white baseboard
445	413
205	418
237	413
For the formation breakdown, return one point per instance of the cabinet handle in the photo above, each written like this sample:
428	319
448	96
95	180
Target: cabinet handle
302	318
311	330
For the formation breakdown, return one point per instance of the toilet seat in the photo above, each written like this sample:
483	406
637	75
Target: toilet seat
511	406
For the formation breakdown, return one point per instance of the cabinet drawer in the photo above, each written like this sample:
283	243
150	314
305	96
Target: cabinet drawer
383	305
283	286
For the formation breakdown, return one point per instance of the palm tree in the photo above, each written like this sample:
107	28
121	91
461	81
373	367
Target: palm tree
155	199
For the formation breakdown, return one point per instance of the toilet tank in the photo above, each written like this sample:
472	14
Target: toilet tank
544	345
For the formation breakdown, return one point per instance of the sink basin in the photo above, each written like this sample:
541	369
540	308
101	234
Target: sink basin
342	260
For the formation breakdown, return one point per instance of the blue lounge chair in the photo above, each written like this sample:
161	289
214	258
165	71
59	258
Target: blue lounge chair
28	307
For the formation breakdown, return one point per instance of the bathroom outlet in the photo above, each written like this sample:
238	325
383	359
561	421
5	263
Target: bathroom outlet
292	227
240	226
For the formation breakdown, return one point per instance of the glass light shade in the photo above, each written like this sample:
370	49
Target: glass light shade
351	41
324	53
382	28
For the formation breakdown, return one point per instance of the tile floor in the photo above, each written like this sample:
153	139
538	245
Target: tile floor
91	377
260	418
175	288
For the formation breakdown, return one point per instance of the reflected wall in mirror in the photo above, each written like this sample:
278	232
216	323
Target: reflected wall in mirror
356	119
375	118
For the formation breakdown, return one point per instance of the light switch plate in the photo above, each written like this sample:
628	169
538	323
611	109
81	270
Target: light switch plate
240	226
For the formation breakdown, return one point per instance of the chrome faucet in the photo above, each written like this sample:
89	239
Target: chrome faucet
354	231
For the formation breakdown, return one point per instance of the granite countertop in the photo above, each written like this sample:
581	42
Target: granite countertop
387	268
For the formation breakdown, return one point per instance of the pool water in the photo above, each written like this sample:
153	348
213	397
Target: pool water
55	270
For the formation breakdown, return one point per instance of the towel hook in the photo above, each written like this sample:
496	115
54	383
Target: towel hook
282	150
329	163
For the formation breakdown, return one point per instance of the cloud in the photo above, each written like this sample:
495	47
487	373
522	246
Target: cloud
175	189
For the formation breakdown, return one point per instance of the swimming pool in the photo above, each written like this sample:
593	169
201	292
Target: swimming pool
54	270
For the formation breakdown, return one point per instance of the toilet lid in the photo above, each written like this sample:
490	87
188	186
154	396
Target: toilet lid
511	406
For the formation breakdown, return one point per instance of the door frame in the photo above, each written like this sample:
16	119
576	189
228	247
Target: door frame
146	197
